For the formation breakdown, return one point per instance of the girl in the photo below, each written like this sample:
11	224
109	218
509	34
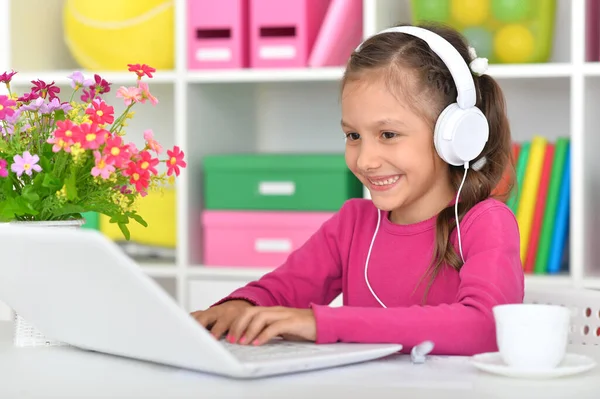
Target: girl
406	271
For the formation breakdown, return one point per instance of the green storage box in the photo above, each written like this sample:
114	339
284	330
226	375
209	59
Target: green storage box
92	220
302	182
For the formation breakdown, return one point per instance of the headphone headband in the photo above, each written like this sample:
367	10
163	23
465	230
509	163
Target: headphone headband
461	74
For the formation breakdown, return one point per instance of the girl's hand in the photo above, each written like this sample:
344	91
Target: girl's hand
257	325
218	319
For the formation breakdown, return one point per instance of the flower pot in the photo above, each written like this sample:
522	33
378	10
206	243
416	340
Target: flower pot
26	334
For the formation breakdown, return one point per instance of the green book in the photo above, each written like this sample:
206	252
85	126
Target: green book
560	152
521	168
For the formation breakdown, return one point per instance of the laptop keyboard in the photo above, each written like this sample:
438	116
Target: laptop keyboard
274	350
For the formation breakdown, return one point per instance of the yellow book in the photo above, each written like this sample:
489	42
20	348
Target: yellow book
529	192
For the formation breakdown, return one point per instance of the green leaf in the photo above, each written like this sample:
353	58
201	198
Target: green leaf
29	194
59	115
68	209
51	182
124	230
14	207
3	146
45	164
8	188
138	219
71	187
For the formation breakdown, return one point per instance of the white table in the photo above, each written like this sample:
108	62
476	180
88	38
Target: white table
66	372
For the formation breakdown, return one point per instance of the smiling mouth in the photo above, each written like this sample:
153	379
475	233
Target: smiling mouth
385	181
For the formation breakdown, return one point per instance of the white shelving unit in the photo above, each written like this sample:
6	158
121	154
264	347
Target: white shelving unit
208	112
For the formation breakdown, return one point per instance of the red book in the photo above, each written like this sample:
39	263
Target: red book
501	189
540	205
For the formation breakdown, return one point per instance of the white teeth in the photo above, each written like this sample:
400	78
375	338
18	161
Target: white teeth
391	180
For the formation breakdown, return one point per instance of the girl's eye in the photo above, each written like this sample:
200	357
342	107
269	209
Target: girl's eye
352	136
389	135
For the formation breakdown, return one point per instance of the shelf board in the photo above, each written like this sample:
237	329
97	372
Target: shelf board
253	273
231	272
265	75
591	69
521	71
116	78
548	280
592	283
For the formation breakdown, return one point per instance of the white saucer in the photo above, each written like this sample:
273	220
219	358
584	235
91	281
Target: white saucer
572	364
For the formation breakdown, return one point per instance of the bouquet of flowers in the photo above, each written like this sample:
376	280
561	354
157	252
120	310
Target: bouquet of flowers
61	159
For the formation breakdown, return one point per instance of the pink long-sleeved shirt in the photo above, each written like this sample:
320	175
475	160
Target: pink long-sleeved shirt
457	316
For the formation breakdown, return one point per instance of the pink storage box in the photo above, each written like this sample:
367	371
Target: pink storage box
256	238
218	34
282	32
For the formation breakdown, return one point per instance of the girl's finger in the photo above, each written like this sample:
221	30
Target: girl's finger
205	318
222	325
239	325
261	321
275	329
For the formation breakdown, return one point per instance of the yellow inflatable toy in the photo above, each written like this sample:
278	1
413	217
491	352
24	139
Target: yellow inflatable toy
109	34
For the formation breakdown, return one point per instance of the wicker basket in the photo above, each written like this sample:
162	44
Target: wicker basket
26	334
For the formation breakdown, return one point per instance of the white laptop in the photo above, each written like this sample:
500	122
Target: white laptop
78	287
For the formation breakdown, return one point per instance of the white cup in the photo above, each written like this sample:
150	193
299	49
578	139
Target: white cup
532	336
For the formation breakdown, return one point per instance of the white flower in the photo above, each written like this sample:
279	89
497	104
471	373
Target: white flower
479	66
472	53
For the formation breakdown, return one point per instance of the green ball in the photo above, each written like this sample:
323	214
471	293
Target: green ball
511	10
432	10
481	40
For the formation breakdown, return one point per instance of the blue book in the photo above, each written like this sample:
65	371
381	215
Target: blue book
561	226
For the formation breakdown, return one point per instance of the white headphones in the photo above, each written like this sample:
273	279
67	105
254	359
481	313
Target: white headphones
461	130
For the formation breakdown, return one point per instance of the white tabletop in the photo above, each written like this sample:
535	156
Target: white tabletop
66	372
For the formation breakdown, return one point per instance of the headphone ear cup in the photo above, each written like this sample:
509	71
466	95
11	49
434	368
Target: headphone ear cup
460	134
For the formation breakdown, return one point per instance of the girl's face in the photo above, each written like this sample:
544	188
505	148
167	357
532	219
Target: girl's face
390	149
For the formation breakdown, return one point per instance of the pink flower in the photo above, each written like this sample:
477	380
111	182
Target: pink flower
100	85
25	98
146	95
148	163
91	138
5	107
3	168
101	168
44	89
100	113
25	164
6	77
116	153
175	161
66	134
151	143
130	94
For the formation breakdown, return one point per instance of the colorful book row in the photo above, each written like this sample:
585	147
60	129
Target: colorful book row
540	201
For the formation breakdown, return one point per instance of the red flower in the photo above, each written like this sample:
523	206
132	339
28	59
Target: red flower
138	177
175	161
100	112
141	70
